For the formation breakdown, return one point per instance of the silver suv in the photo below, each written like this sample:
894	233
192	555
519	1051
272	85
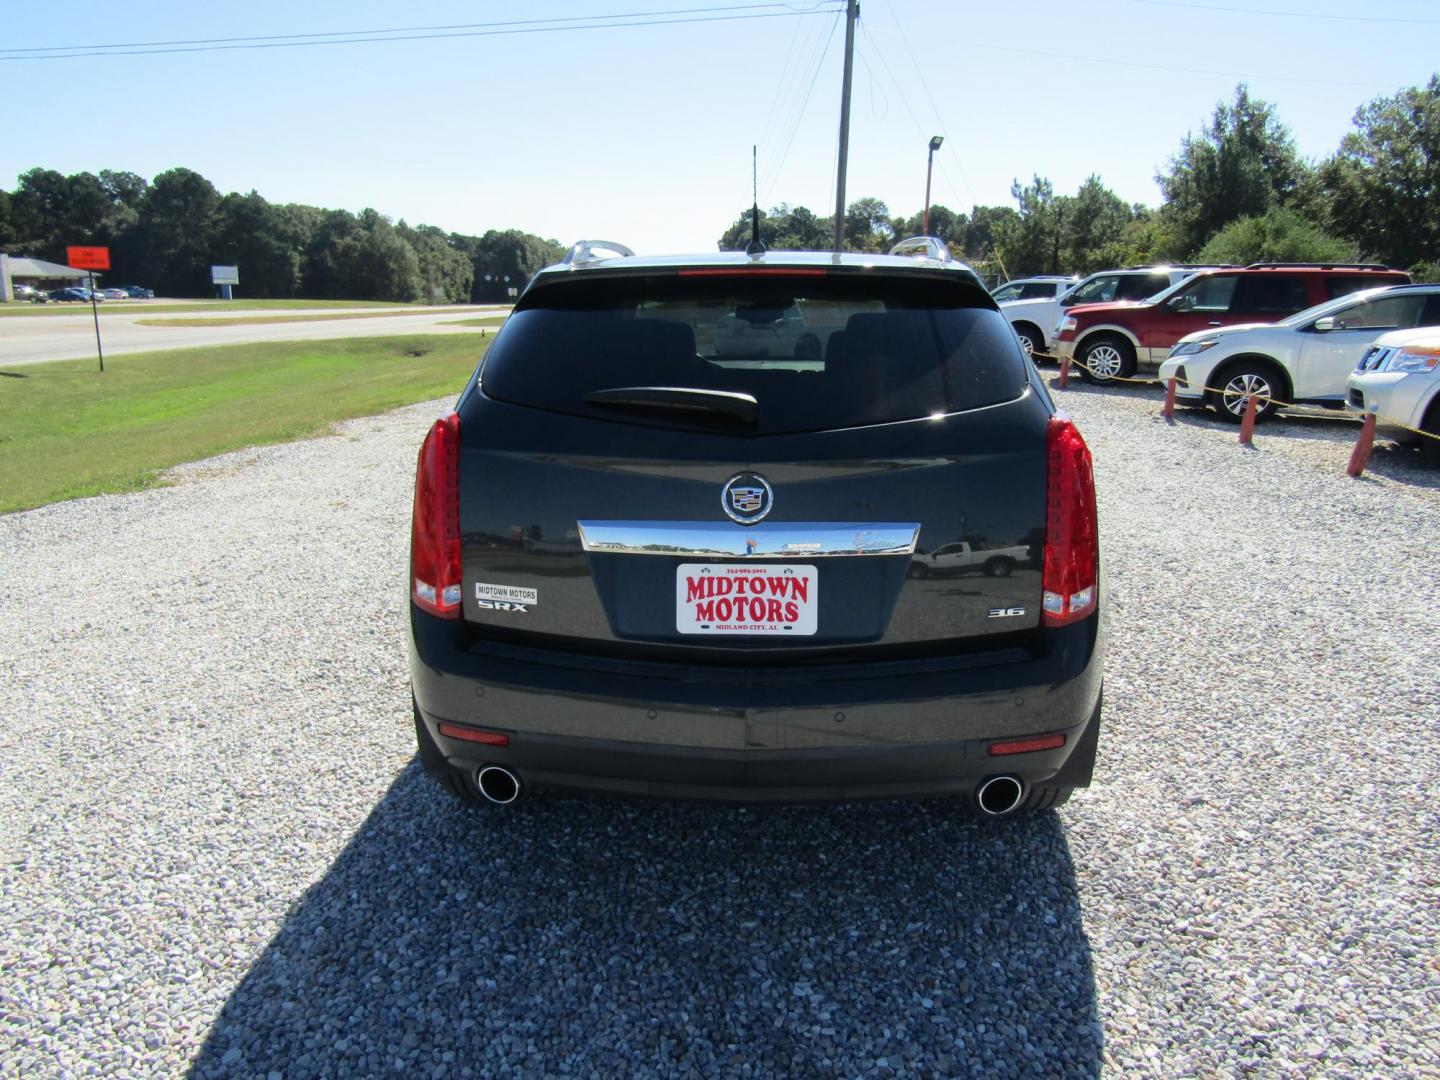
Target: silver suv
1303	359
1398	379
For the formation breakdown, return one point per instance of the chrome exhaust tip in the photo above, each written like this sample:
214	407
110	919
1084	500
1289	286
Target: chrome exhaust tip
999	795
498	784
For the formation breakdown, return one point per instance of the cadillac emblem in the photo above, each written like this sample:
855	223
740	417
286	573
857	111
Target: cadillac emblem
746	498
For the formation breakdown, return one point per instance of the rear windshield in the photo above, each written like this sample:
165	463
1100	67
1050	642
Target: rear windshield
815	352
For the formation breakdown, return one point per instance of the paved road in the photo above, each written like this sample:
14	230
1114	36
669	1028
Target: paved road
35	339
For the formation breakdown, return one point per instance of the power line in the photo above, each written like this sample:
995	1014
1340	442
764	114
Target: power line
805	49
400	29
1251	77
422	33
900	90
924	85
805	104
784	77
1285	14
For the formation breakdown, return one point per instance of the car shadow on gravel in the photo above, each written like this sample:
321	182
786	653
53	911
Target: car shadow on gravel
604	937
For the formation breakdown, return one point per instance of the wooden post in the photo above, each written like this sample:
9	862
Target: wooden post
1247	422
1169	411
1360	456
1064	370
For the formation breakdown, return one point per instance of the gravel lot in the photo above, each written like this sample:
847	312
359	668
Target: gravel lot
195	876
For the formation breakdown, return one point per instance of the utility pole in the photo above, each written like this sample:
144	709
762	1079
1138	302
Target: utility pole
852	12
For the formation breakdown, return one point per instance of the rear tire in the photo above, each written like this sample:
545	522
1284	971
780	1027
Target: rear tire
1430	448
461	787
1030	341
1105	359
919	571
1000	566
1046	797
432	759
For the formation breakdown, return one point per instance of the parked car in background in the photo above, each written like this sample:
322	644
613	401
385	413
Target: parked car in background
1304	359
73	293
641	564
1034	319
137	292
1398	378
1111	341
29	293
752	331
114	294
1044	287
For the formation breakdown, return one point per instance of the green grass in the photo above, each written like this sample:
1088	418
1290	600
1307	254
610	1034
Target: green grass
160	307
489	320
70	431
263	320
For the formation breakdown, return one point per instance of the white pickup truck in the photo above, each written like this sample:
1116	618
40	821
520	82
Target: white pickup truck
960	558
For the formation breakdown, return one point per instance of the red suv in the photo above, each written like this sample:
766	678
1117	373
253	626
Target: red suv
1110	341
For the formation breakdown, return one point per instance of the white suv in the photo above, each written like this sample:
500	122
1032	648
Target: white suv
1034	319
1303	359
1042	287
1398	378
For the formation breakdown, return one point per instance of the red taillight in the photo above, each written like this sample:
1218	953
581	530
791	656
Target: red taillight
435	527
470	734
1027	746
1072	541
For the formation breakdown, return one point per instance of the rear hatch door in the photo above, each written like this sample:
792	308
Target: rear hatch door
753	465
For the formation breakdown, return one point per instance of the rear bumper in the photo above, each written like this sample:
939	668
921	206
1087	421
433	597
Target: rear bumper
791	734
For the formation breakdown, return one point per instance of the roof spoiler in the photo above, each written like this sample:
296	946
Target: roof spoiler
585	252
923	247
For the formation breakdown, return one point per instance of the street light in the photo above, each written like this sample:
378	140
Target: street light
930	164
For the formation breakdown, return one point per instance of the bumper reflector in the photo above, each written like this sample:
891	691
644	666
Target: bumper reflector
470	734
1027	746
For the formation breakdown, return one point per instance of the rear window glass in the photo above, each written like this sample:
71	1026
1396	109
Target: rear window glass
1142	286
1099	290
1269	293
1337	286
1038	290
815	352
1212	293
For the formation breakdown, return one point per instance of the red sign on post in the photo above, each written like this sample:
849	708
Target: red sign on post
88	258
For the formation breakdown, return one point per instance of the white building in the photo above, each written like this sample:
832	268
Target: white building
37	273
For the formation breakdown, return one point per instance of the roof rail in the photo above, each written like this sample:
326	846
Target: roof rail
583	252
1181	266
923	247
1315	266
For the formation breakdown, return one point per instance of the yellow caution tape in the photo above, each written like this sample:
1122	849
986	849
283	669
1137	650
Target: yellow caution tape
1388	421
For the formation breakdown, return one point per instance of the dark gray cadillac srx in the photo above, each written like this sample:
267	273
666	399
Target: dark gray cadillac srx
663	545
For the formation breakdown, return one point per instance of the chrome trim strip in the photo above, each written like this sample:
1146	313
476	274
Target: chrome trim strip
770	540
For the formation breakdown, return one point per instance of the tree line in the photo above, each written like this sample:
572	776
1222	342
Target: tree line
1237	191
167	233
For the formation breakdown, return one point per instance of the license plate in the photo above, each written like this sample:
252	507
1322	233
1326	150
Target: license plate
745	598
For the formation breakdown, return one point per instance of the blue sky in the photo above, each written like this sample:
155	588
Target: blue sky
642	134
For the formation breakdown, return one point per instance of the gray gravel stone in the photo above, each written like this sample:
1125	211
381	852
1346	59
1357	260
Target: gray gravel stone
219	855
